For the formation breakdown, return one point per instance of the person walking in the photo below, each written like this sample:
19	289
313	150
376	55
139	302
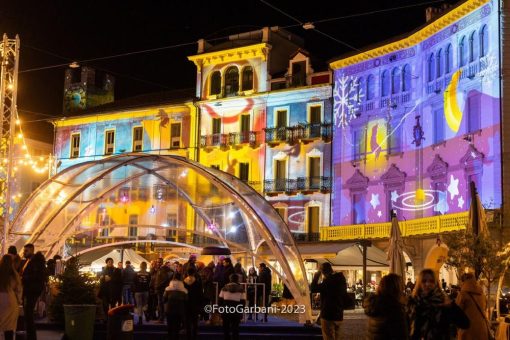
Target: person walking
266	279
153	294
106	286
239	270
333	291
206	276
430	312
386	310
252	297
163	277
472	301
228	270
10	297
33	279
141	289
193	284
232	296
16	259
175	298
192	262
128	280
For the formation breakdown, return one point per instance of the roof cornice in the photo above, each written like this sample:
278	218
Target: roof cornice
415	38
231	55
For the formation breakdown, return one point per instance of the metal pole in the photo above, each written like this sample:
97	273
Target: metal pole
364	245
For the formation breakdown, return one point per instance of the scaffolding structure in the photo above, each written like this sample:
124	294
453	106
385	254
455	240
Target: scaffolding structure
9	49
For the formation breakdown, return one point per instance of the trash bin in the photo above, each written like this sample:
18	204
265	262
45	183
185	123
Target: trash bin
79	321
120	323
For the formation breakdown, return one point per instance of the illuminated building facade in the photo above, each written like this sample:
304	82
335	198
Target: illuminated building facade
417	120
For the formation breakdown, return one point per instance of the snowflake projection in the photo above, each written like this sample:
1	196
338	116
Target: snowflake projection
347	95
489	67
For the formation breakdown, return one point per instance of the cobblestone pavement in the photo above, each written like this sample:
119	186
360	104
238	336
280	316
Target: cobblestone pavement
354	326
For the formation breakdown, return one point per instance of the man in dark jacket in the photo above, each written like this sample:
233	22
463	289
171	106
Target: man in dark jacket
333	291
266	279
33	278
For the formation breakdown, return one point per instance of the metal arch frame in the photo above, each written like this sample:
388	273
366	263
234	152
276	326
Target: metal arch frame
91	204
278	249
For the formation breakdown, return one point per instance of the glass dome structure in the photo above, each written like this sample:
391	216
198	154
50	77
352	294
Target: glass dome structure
154	199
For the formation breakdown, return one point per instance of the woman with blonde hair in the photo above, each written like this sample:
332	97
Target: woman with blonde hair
431	313
10	297
473	302
386	310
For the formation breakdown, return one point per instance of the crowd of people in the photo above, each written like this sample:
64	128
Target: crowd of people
176	293
22	282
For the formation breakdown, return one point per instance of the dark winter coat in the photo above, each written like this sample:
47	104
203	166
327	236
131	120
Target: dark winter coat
333	293
386	318
265	278
195	294
34	276
175	298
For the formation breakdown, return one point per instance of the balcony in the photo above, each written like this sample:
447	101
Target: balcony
310	132
296	80
301	132
273	187
306	237
309	185
239	139
211	141
422	226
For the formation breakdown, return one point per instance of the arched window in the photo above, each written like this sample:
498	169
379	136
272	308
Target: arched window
385	84
395	80
472	47
370	87
351	92
231	81
247	79
463	52
431	67
406	78
439	63
360	85
484	41
448	58
215	86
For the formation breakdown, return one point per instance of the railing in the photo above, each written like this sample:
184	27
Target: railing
280	185
422	226
217	139
296	80
246	137
316	183
306	237
291	134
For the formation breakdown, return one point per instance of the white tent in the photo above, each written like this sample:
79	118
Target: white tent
115	254
351	258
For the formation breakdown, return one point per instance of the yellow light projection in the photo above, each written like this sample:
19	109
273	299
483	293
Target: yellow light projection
452	112
376	144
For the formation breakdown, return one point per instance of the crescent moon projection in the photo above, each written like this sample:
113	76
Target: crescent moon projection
452	112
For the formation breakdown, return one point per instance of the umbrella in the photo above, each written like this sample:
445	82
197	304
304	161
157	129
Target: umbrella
396	250
477	218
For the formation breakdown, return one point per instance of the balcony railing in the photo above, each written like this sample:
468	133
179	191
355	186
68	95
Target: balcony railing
423	226
304	132
306	237
318	183
246	137
232	139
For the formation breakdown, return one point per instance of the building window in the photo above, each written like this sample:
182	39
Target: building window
215	166
133	231
313	219
439	63
314	172
431	67
448	58
109	142
370	87
360	85
472	47
247	79
137	138
282	212
385	84
395	133
484	41
281	118
75	145
175	135
474	108
280	174
406	78
244	172
245	123
463	52
171	221
395	81
215	83
438	126
231	81
358	144
358	208
299	73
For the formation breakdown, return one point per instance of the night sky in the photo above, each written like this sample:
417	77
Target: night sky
57	32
